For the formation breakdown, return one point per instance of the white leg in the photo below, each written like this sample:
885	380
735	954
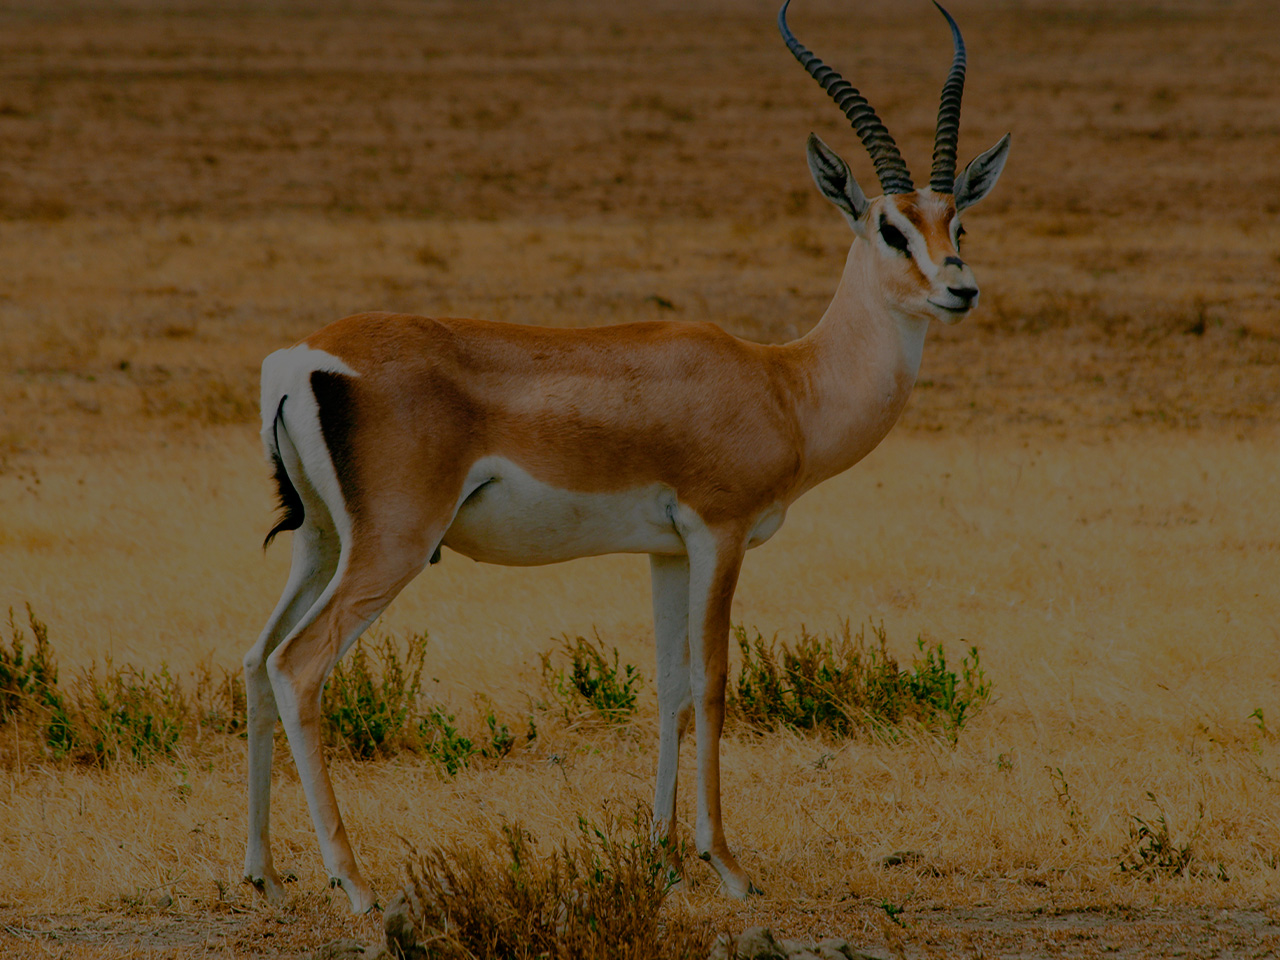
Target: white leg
670	577
314	560
365	582
715	558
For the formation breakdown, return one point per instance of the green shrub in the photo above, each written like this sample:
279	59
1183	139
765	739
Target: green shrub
501	740
372	713
373	708
441	741
594	686
596	897
127	715
29	684
844	684
26	680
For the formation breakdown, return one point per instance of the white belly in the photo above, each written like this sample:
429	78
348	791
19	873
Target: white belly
509	517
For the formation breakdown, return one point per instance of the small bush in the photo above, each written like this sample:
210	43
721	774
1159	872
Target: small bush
844	684
595	686
124	715
596	897
29	685
373	708
441	741
128	715
372	713
26	681
500	738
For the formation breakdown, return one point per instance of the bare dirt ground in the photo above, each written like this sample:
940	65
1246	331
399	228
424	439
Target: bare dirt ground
185	186
1099	932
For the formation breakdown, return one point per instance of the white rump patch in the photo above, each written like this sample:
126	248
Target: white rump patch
287	373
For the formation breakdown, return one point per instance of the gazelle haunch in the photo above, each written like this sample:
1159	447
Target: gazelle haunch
392	435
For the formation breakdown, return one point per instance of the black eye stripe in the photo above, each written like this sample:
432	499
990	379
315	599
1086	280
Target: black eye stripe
893	236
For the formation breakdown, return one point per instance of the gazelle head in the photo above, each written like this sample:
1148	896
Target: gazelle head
913	235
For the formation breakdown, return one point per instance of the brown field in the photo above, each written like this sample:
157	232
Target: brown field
1084	483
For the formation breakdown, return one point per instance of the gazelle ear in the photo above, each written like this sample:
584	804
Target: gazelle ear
835	180
977	179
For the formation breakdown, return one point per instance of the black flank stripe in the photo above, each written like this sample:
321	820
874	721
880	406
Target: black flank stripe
335	396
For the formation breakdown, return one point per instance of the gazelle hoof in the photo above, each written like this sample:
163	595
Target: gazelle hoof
268	886
360	895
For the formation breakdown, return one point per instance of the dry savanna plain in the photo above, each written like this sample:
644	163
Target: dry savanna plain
1083	486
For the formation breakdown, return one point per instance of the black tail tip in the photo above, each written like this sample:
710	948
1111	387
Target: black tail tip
290	503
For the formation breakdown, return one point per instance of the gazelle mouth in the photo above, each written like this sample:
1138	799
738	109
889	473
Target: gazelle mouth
965	308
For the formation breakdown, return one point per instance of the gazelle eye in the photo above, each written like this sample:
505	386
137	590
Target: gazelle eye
959	233
894	237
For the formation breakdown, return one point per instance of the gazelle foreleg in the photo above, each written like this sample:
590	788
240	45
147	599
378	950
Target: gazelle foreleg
670	577
715	557
315	557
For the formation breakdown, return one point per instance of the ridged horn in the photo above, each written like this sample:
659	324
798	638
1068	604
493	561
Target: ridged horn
943	177
890	167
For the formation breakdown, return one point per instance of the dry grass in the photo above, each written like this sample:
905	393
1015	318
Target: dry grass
1084	483
1120	592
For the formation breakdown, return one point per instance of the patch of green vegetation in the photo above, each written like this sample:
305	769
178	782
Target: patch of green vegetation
372	712
373	708
595	686
127	715
26	679
841	685
442	742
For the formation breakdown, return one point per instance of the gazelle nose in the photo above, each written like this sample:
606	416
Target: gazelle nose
963	293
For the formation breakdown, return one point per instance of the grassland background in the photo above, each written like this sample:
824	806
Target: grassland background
1084	483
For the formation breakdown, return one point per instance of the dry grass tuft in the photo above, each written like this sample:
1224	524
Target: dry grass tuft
599	895
1155	849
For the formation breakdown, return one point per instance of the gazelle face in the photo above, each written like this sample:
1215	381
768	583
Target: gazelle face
916	238
913	235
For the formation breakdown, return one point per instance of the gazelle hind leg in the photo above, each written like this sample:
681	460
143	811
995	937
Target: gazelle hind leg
315	557
715	557
670	577
367	579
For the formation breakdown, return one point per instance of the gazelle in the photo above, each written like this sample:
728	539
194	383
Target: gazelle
392	435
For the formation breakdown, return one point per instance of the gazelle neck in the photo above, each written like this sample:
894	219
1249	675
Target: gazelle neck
860	361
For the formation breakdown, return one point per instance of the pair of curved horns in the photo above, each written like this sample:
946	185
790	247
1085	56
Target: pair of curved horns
890	167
